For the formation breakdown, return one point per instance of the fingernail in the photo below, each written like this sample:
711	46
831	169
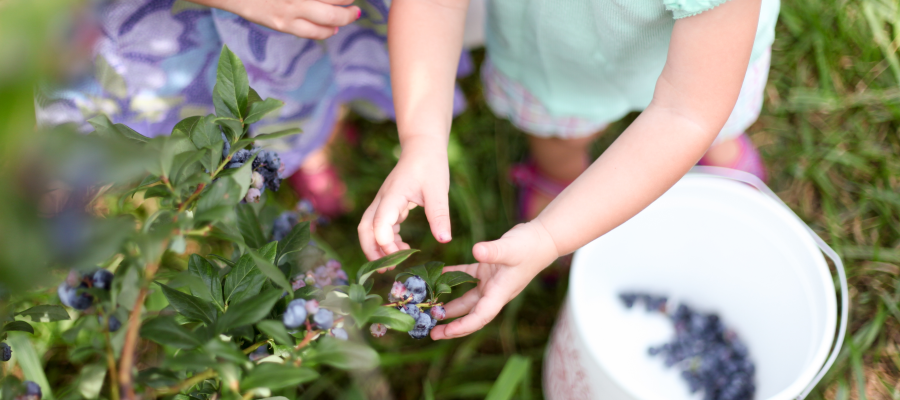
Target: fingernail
444	237
359	13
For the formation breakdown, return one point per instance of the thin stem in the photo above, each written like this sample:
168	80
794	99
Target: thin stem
420	305
126	363
254	347
183	206
221	167
168	184
198	232
110	361
197	378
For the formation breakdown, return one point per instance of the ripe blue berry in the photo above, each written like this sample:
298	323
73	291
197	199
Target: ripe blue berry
32	391
417	289
283	225
422	328
378	330
324	318
628	299
295	315
260	353
103	279
5	352
412	310
113	325
339	333
70	297
438	313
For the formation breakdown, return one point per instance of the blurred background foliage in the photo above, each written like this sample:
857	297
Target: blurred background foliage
829	135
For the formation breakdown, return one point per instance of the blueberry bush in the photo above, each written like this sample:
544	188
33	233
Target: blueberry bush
185	281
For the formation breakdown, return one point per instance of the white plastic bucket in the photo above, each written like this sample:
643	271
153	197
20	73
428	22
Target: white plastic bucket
716	244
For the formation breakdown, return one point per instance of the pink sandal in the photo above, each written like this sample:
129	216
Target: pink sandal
749	159
529	181
323	188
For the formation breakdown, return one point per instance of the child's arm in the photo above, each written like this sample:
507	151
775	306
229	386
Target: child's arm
312	19
425	41
707	61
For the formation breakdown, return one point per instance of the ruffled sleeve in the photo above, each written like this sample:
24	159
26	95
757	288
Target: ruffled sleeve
687	8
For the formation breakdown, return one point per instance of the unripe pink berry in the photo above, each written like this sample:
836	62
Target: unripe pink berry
438	313
378	330
256	180
252	195
398	292
297	284
312	306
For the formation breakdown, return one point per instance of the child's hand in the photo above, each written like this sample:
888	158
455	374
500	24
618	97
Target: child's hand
311	19
506	266
422	178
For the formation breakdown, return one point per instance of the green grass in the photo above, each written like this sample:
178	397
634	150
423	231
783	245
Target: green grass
829	135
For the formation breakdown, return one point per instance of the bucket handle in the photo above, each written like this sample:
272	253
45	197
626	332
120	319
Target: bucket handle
752	180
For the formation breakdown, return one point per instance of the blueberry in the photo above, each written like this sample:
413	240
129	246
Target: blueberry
312	306
260	353
295	315
241	156
324	318
226	146
438	313
283	225
339	333
411	309
422	328
378	330
103	279
628	299
5	352
417	288
398	292
70	297
252	196
114	323
32	391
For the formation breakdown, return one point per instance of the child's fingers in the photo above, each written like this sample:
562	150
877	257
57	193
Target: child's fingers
462	305
328	15
306	29
437	210
470	269
337	2
386	216
483	313
494	252
366	232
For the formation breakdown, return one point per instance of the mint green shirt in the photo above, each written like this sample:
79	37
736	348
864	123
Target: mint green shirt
595	59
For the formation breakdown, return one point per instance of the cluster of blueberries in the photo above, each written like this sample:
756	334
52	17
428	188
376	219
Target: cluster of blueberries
710	356
410	294
73	292
299	309
329	274
267	169
286	220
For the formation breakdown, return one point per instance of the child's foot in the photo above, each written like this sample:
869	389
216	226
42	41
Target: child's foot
738	153
536	190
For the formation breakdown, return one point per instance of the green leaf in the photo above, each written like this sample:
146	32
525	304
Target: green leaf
515	370
20	326
433	270
213	214
393	318
169	147
249	311
391	260
165	331
204	133
187	125
362	313
442	288
189	360
222	193
185	165
277	376
345	354
30	362
453	278
233	129
295	241
249	226
232	85
190	306
223	259
244	280
45	313
104	127
225	350
209	273
264	263
357	293
213	157
276	330
109	78
260	108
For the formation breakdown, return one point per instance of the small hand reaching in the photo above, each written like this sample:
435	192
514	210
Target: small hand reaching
311	19
505	267
421	178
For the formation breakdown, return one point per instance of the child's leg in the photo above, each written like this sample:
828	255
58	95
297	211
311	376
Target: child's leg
561	160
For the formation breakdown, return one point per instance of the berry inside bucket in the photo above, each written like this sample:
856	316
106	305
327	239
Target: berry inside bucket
722	247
